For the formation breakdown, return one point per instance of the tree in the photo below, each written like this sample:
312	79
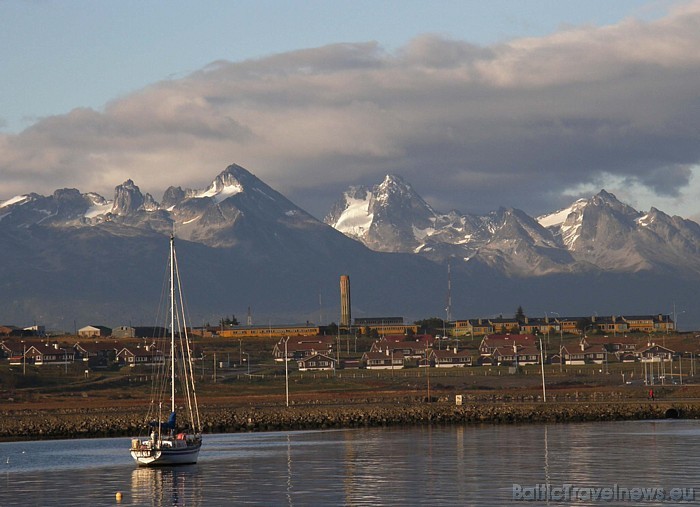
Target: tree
520	314
431	325
229	321
582	324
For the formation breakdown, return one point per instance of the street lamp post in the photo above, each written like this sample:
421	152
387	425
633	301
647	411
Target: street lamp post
248	361
561	341
544	390
286	370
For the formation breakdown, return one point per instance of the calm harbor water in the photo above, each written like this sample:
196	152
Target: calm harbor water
453	465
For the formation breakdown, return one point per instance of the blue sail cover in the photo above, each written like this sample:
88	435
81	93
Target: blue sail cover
169	425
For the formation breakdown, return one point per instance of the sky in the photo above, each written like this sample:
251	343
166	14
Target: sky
528	104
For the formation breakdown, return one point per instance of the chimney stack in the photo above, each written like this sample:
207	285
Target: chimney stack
345	313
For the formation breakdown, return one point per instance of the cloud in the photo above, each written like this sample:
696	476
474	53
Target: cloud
517	124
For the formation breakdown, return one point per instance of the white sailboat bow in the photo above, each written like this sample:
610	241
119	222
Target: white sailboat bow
177	440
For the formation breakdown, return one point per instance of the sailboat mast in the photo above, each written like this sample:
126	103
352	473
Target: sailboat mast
172	323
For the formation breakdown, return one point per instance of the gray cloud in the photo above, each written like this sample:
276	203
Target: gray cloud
472	128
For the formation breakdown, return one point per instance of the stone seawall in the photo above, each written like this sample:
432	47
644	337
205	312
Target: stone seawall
84	423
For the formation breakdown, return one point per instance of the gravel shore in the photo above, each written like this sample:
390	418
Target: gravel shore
113	422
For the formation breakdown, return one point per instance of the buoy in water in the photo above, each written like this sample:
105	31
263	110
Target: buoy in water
118	496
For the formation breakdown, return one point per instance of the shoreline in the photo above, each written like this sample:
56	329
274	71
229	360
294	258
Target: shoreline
53	424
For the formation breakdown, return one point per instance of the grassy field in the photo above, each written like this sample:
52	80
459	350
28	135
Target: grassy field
225	377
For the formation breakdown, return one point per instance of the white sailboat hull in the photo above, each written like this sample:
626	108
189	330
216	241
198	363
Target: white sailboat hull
165	455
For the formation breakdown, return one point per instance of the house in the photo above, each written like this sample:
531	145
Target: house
596	354
504	325
655	353
300	349
36	330
584	354
450	358
94	331
649	323
139	355
491	342
43	354
408	349
383	360
538	325
618	346
612	343
573	355
15	350
529	355
317	362
97	354
569	325
501	356
612	325
511	356
471	327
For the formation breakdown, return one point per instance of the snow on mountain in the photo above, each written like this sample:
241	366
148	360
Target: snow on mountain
565	222
84	256
599	232
210	216
19	199
392	217
389	217
223	187
100	206
245	244
357	218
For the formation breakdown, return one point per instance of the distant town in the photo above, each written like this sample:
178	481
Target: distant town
389	342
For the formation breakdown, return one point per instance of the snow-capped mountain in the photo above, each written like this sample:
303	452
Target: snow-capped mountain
596	233
75	258
389	217
211	216
614	236
73	255
392	217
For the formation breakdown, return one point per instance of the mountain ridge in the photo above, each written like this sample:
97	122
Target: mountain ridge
80	257
599	232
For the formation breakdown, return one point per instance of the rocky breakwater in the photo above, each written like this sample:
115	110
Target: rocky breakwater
83	423
320	417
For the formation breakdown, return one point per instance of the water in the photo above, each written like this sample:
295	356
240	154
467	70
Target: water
454	465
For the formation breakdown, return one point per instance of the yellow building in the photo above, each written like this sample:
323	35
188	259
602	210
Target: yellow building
270	331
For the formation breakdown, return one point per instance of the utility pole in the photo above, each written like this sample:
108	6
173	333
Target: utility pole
544	390
286	370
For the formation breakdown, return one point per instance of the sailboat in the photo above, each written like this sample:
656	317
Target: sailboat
177	440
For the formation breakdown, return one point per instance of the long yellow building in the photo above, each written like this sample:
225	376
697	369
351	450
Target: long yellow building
279	331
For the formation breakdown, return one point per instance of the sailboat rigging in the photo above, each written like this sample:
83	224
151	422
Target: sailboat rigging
174	441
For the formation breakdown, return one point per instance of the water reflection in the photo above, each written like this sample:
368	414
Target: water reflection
289	471
546	457
172	486
455	465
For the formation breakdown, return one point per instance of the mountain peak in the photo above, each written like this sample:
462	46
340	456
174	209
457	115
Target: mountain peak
231	181
127	198
606	198
392	180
